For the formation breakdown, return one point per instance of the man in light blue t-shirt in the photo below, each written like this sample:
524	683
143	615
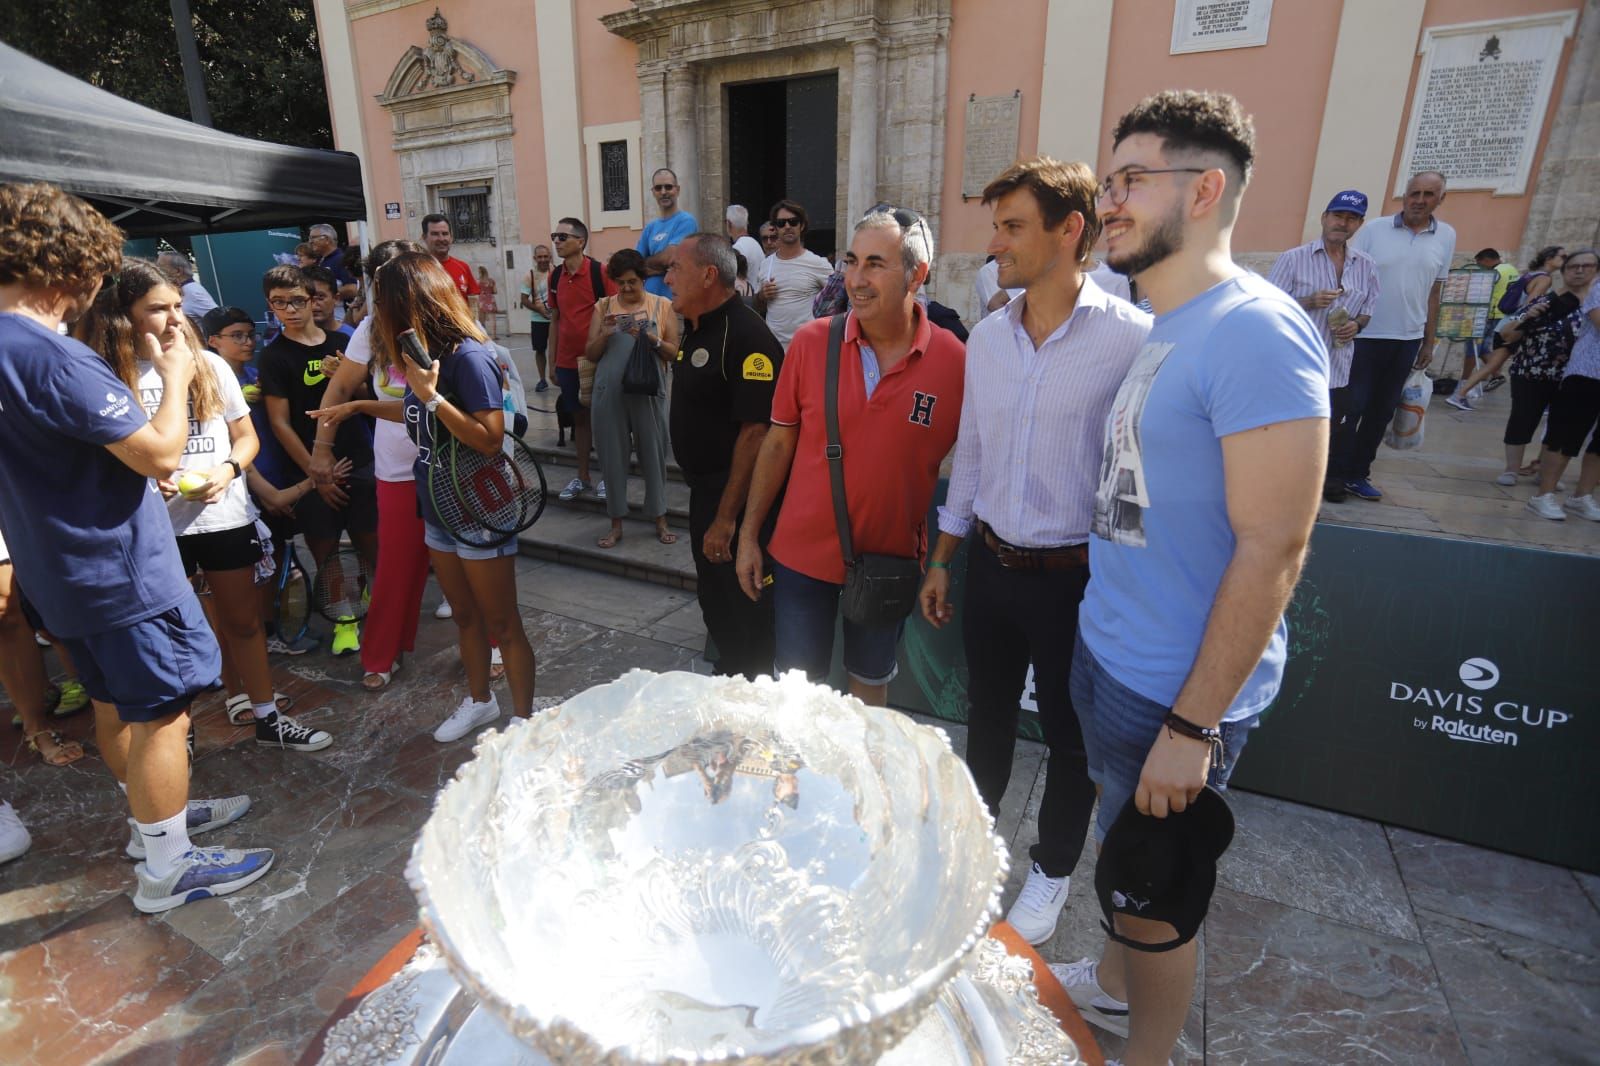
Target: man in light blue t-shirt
1209	485
662	234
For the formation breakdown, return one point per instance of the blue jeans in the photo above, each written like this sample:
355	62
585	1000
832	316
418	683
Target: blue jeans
804	610
1119	728
1363	408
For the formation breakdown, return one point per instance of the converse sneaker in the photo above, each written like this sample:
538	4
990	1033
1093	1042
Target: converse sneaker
202	817
201	874
1584	507
1548	506
1082	982
1038	906
466	718
14	838
278	730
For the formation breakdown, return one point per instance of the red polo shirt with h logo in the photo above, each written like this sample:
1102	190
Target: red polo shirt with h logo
893	445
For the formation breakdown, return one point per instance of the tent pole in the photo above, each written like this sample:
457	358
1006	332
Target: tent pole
193	77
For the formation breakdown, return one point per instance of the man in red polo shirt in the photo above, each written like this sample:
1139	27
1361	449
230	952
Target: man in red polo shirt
900	383
438	238
576	285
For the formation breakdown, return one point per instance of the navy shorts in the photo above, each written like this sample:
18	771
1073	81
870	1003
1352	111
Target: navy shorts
1119	727
803	614
567	382
152	669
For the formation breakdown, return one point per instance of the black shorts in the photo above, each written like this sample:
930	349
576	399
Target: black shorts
539	336
222	549
318	521
1574	416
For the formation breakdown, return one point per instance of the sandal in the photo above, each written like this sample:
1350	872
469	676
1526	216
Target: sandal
381	677
240	711
497	666
65	753
610	540
665	535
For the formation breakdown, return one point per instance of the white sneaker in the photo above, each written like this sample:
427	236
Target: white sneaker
14	838
1508	478
1547	506
1585	507
466	718
1038	906
574	489
600	489
1476	394
444	610
1082	982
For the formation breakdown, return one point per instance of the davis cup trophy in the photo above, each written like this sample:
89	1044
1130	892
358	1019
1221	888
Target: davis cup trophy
673	868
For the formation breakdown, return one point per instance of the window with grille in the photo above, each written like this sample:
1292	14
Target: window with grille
614	175
468	211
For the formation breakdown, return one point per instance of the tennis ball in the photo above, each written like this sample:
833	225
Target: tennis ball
193	486
252	393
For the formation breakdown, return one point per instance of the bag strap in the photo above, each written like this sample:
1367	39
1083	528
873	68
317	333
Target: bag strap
841	514
597	280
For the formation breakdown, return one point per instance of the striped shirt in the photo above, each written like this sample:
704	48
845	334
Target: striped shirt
1033	422
1307	269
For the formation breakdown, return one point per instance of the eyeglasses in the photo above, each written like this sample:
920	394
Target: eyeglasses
784	223
1114	187
1569	265
297	303
662	188
559	237
240	338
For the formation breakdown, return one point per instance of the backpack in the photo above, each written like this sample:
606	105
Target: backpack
1511	302
597	281
832	299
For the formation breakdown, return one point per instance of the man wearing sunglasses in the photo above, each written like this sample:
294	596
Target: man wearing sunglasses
662	234
789	279
576	285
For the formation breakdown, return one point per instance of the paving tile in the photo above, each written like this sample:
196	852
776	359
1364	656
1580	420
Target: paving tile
601	599
1530	899
1330	864
1590	883
1515	1000
1286	985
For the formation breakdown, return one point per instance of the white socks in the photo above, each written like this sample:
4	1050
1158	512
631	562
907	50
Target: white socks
265	710
165	842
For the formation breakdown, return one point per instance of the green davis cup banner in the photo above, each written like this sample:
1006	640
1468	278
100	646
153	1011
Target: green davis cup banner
1443	685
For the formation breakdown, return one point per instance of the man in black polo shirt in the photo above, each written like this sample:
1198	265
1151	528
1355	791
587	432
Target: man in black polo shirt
721	407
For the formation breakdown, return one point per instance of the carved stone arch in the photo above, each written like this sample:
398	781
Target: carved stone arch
413	74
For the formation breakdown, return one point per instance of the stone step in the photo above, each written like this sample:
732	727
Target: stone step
559	470
567	534
543	444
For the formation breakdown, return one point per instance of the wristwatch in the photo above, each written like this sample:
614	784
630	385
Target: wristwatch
238	471
433	405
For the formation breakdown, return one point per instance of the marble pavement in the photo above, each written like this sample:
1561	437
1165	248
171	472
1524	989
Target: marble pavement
1331	940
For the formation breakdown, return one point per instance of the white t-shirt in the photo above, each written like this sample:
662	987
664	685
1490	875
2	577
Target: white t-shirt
392	451
209	446
750	248
986	284
1408	265
799	280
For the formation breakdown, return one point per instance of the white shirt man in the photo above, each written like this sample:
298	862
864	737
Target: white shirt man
737	220
789	279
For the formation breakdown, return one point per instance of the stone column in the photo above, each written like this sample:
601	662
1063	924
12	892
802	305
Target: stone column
863	188
683	144
1566	194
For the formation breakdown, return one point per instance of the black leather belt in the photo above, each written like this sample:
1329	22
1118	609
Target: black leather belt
1013	558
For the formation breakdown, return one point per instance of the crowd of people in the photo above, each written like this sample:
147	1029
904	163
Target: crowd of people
1130	440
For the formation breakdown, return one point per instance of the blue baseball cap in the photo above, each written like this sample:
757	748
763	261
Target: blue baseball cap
1351	201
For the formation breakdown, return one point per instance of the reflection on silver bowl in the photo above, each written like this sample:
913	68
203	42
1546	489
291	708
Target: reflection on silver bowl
675	868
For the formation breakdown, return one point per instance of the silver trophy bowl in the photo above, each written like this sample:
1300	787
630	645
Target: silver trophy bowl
674	868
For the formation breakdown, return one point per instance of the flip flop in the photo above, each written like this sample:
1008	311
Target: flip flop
240	712
497	666
64	749
383	677
610	540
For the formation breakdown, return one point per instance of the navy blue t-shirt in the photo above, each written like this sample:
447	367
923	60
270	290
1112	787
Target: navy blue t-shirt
470	379
89	536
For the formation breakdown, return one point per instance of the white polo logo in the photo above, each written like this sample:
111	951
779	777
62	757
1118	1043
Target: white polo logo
1479	674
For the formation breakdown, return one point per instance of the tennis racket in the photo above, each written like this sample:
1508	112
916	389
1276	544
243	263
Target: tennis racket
342	587
504	491
292	598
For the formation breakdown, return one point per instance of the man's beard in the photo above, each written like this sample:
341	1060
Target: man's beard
1166	240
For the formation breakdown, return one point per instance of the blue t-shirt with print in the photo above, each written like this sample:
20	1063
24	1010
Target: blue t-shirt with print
659	235
470	379
1239	356
89	536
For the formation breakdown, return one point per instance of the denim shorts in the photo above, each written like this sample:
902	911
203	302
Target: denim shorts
151	669
1119	728
804	610
441	540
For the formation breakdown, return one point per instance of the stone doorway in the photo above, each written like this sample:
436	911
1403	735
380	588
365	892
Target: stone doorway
782	142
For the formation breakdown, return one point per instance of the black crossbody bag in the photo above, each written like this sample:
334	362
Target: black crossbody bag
879	590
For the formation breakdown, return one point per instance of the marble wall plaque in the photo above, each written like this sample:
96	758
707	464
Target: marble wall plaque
991	140
1482	93
1212	25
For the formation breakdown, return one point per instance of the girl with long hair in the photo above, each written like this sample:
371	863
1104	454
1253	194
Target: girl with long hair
206	500
461	395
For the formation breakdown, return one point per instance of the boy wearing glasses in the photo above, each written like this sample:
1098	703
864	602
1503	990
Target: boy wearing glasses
662	234
294	375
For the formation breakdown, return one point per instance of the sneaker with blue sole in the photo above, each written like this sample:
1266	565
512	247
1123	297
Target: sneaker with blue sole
1362	489
203	816
201	874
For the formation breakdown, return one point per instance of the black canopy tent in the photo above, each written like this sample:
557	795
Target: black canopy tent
155	175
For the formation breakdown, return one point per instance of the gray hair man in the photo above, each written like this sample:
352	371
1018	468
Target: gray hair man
737	219
324	241
721	404
196	300
900	386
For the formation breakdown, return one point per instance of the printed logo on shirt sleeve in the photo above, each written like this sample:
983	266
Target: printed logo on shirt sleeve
116	406
757	367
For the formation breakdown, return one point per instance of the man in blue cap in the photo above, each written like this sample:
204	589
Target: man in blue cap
1338	287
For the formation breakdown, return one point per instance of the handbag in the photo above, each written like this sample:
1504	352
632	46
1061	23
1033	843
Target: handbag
640	377
879	590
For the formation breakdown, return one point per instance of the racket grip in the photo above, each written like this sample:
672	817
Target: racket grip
415	348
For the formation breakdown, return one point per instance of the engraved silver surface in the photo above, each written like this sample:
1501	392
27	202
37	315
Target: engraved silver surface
680	869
